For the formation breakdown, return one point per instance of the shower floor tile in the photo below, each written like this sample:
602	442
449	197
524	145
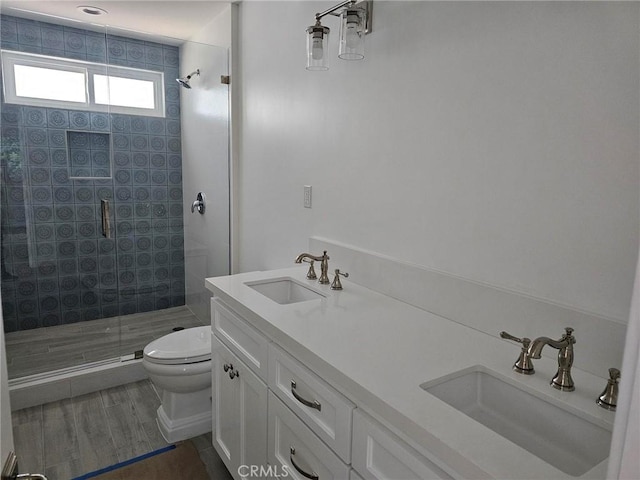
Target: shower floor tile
30	352
75	436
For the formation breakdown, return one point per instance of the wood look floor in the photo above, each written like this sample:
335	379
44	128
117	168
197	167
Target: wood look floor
75	436
30	352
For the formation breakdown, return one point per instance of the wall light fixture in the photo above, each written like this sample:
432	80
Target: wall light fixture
355	23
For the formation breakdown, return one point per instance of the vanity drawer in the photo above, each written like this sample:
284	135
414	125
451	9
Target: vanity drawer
320	406
294	446
241	338
379	454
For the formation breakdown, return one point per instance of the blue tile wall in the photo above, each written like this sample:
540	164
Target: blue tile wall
63	270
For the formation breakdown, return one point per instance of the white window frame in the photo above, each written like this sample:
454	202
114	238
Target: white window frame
89	69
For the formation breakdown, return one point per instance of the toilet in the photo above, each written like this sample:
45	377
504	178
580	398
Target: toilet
179	366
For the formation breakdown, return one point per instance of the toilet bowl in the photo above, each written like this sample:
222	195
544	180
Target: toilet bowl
179	364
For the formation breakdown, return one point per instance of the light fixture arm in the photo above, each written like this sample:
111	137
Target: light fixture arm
365	5
331	11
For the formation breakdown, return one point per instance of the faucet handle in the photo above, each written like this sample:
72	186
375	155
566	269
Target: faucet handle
614	374
523	364
568	336
337	284
609	397
311	274
508	336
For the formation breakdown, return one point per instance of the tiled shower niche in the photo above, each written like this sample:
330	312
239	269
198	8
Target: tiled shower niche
88	154
56	265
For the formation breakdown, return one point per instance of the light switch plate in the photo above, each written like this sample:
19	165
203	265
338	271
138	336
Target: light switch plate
307	196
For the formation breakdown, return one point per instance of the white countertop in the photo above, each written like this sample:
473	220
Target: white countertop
378	351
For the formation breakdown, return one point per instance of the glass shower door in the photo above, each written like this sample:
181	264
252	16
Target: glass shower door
160	164
59	293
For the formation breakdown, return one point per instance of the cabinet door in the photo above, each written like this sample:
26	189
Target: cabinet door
353	475
239	411
379	455
226	423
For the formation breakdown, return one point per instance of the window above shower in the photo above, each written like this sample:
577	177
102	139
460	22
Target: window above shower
45	81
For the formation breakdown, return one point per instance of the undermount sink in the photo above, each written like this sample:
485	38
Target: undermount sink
561	438
285	290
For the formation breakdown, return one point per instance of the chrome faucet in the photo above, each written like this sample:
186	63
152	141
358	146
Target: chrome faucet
562	379
324	264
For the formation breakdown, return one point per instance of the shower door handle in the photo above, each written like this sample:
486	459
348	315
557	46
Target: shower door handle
199	204
106	222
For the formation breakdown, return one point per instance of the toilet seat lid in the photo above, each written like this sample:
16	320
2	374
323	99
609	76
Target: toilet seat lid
190	345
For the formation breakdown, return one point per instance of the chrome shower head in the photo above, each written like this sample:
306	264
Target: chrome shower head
184	81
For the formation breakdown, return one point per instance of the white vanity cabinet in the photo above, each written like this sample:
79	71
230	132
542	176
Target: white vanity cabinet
272	411
239	394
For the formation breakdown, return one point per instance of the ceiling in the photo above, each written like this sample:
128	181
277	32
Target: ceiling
174	19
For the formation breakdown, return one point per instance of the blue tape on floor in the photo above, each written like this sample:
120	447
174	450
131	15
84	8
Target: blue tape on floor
125	463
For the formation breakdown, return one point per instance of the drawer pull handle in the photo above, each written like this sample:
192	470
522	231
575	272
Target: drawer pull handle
314	404
311	476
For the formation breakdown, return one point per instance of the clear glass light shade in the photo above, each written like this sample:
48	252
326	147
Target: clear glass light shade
317	47
352	33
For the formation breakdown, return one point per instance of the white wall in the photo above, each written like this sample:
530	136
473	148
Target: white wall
217	31
493	141
205	157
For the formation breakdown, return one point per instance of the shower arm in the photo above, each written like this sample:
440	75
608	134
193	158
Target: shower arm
195	72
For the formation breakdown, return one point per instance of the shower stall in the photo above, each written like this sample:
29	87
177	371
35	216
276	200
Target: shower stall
102	155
